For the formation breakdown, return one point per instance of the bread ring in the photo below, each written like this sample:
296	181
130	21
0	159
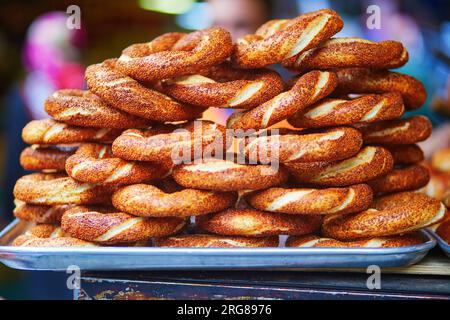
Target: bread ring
49	131
313	201
309	89
254	223
149	201
402	131
312	241
44	158
440	160
95	163
164	143
57	189
215	241
85	109
191	53
350	52
278	40
117	227
438	184
224	87
335	112
329	145
412	177
39	213
361	80
443	231
393	214
128	95
226	175
368	164
45	231
406	154
30	241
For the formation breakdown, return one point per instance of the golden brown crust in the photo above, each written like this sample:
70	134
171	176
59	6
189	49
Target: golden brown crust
85	109
368	164
278	40
351	52
328	145
361	80
117	227
440	160
49	131
39	213
412	177
312	201
56	189
30	241
149	201
95	163
129	95
312	241
44	158
406	154
176	54
397	132
166	143
224	87
215	241
45	231
254	223
334	112
308	89
389	215
226	175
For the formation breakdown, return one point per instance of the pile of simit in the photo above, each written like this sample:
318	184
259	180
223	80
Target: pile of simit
105	157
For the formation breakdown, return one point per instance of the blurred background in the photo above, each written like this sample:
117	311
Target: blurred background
39	54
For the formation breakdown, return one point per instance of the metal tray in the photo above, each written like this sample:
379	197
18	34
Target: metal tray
444	245
148	258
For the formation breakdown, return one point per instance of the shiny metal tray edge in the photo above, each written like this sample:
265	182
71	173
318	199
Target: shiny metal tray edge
441	242
152	258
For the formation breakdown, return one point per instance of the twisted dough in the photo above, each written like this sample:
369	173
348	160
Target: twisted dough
406	154
224	87
44	158
31	241
389	215
335	112
278	40
85	109
350	52
164	143
254	223
57	189
313	201
308	89
362	80
402	131
49	131
329	145
39	213
95	163
440	160
176	54
215	241
412	177
226	175
312	241
149	201
368	164
117	227
128	95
